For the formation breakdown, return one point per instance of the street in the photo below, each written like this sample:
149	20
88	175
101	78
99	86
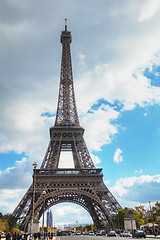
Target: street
82	237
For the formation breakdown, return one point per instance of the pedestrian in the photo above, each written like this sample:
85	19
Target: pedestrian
14	236
35	236
22	236
51	235
44	235
25	236
39	236
18	236
8	236
155	232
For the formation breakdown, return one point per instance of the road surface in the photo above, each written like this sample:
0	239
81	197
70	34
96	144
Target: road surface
84	237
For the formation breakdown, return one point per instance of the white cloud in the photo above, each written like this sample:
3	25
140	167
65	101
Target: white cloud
66	160
138	171
148	10
82	59
9	199
107	182
69	213
95	159
99	127
9	169
117	156
137	189
18	176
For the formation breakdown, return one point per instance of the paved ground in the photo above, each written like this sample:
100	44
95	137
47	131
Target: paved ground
95	238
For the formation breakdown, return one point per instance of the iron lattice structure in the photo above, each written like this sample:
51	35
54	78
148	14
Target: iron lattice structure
82	184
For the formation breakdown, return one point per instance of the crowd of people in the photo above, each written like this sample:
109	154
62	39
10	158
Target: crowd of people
16	236
42	236
26	236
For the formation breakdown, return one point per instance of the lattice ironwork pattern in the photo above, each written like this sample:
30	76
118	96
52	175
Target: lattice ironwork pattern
82	184
66	111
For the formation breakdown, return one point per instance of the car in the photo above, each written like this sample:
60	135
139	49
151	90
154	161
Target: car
124	233
102	232
91	233
72	232
85	233
127	234
121	234
111	234
98	233
138	234
78	233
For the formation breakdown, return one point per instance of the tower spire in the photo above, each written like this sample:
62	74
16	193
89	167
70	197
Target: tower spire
66	110
66	24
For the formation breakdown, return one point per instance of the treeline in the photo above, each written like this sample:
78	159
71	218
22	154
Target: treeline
8	223
141	215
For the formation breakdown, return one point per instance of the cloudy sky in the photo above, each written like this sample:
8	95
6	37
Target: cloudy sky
116	69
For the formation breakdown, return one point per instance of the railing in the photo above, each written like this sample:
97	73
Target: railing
69	171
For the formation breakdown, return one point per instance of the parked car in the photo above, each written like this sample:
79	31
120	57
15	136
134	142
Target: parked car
111	234
72	233
138	234
127	234
102	232
85	233
124	233
98	233
91	233
64	234
78	233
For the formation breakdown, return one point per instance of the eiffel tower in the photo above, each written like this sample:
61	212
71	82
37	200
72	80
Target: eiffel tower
83	184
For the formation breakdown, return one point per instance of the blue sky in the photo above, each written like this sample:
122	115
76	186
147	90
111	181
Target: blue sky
116	68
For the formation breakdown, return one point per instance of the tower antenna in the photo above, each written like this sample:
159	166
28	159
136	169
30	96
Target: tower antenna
65	24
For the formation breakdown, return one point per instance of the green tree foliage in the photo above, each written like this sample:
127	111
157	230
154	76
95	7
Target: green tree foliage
141	215
119	218
156	212
10	222
3	224
88	227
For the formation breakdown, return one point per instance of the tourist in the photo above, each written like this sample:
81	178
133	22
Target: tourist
8	236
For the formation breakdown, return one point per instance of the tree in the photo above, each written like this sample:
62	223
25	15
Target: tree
88	227
141	215
3	224
11	221
156	212
119	218
94	228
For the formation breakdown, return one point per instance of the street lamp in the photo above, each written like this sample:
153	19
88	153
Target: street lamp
47	220
33	199
44	192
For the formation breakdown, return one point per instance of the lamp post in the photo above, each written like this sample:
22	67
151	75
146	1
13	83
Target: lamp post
44	192
151	216
47	220
33	199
